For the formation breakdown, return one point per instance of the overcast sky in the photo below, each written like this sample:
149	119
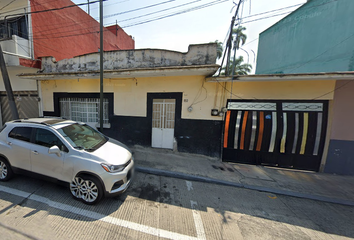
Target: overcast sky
192	21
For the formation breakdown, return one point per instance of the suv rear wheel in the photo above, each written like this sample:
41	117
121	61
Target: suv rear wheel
87	188
5	170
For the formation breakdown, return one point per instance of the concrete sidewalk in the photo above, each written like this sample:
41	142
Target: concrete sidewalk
310	185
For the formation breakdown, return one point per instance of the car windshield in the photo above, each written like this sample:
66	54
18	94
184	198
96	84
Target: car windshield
82	136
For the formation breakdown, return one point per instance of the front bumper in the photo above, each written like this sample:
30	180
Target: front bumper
117	183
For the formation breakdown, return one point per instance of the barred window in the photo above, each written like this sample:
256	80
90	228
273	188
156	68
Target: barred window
14	26
83	109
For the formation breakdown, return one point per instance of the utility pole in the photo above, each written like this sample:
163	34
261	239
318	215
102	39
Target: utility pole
228	46
101	65
6	79
88	7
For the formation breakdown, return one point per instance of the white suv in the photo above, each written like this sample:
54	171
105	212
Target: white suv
91	164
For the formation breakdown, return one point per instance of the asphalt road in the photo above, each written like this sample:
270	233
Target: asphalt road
157	207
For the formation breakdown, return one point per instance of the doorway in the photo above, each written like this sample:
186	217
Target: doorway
163	123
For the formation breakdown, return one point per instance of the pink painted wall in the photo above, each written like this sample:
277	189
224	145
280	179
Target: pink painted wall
70	32
343	111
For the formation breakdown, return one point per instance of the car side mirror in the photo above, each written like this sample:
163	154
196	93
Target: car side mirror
54	150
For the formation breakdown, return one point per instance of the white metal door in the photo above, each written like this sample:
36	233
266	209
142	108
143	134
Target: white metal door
163	123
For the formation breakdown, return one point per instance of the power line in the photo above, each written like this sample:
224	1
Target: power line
228	90
275	10
55	9
323	52
7	4
136	16
196	8
150	20
334	90
178	13
34	4
22	46
146	21
131	18
309	7
137	9
106	5
37	49
251	41
163	10
267	17
93	32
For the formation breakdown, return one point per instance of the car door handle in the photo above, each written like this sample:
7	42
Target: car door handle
35	152
9	143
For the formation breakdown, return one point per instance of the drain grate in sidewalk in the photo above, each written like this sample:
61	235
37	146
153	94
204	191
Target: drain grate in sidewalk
222	168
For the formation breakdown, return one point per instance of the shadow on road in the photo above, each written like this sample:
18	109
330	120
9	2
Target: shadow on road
254	208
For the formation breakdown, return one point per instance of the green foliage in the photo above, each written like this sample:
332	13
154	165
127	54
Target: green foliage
240	67
238	39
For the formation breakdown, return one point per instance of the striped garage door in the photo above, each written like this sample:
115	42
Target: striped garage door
288	134
26	103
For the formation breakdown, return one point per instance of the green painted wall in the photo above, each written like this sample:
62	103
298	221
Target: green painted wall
317	37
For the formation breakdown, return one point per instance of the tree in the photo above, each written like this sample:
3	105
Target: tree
240	67
238	37
219	49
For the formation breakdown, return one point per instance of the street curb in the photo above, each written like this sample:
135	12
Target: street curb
190	177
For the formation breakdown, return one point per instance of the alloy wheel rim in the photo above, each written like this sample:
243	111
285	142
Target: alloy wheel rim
89	191
3	170
76	187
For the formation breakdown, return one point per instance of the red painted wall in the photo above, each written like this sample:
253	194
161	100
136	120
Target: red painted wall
122	37
70	32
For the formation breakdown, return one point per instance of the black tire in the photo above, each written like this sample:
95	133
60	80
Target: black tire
91	190
6	172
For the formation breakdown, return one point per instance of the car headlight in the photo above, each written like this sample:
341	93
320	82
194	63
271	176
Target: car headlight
113	168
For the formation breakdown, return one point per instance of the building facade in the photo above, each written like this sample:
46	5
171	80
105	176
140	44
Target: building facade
165	99
318	37
293	113
154	98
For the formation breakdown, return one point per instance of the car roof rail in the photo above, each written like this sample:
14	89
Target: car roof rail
26	120
46	121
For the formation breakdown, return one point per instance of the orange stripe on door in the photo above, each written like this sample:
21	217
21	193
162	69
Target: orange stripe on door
261	129
243	132
227	124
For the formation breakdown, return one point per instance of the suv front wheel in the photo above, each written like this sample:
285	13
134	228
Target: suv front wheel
5	170
87	188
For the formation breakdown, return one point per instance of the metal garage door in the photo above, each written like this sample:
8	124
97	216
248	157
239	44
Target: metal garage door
288	134
26	103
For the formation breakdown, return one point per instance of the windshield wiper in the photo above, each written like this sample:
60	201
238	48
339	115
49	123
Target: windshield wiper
79	147
90	149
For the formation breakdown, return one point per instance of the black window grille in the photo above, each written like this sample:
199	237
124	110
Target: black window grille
14	26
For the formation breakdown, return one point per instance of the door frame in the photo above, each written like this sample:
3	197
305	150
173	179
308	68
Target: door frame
178	109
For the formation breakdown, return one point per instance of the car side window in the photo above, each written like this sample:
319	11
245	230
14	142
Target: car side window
3	127
21	133
48	139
